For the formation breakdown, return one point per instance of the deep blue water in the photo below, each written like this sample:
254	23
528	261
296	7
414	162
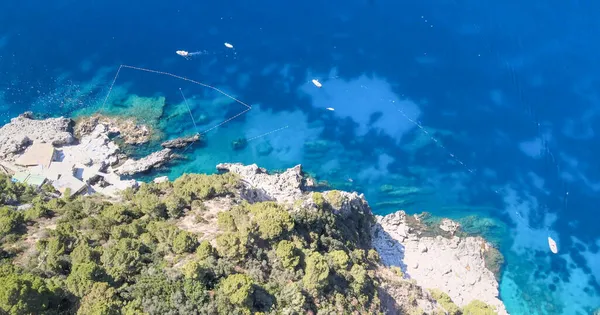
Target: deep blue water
508	90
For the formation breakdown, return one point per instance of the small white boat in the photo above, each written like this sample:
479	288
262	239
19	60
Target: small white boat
228	45
182	53
330	108
552	245
317	83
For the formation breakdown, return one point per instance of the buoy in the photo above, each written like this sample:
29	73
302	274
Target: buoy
317	83
182	53
552	245
228	45
330	108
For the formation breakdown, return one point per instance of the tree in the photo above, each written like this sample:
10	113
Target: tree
24	293
286	252
272	219
236	289
101	300
205	251
10	220
185	242
232	245
175	206
226	222
316	272
359	277
122	259
83	253
339	259
83	277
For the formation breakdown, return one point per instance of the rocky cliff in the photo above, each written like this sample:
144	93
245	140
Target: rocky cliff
446	262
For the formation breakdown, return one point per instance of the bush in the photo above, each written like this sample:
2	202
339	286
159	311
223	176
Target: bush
287	254
273	221
185	242
199	186
339	259
235	290
232	246
10	221
335	198
316	272
477	307
24	293
445	301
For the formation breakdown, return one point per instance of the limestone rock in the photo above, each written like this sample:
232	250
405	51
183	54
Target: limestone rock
21	131
127	128
259	185
131	166
454	265
180	142
161	179
93	148
449	226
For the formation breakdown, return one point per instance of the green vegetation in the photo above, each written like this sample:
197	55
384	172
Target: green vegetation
477	307
446	302
132	258
85	255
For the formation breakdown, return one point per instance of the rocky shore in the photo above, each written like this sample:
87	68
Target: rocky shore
452	264
455	265
426	257
85	156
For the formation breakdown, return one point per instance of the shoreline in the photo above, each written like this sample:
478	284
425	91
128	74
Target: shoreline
96	161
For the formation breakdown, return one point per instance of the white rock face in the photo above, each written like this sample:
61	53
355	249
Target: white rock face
155	159
93	148
23	130
454	265
260	186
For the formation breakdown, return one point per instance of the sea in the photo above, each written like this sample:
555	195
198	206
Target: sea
481	111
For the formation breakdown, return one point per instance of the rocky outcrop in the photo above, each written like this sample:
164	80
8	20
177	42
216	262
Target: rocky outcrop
180	142
452	264
156	159
126	128
93	148
431	257
23	130
259	185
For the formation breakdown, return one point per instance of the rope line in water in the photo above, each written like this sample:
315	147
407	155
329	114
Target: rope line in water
189	109
111	86
267	133
181	78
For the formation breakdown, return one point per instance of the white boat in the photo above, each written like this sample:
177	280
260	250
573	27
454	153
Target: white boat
330	108
228	45
552	245
317	83
182	53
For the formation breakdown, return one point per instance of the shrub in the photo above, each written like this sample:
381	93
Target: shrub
316	272
477	307
445	301
273	221
286	252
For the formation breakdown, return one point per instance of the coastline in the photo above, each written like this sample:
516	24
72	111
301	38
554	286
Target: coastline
455	265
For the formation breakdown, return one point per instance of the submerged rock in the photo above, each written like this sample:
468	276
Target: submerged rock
131	166
21	131
180	142
126	128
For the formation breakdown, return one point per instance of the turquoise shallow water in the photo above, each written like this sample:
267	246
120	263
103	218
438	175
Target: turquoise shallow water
456	108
